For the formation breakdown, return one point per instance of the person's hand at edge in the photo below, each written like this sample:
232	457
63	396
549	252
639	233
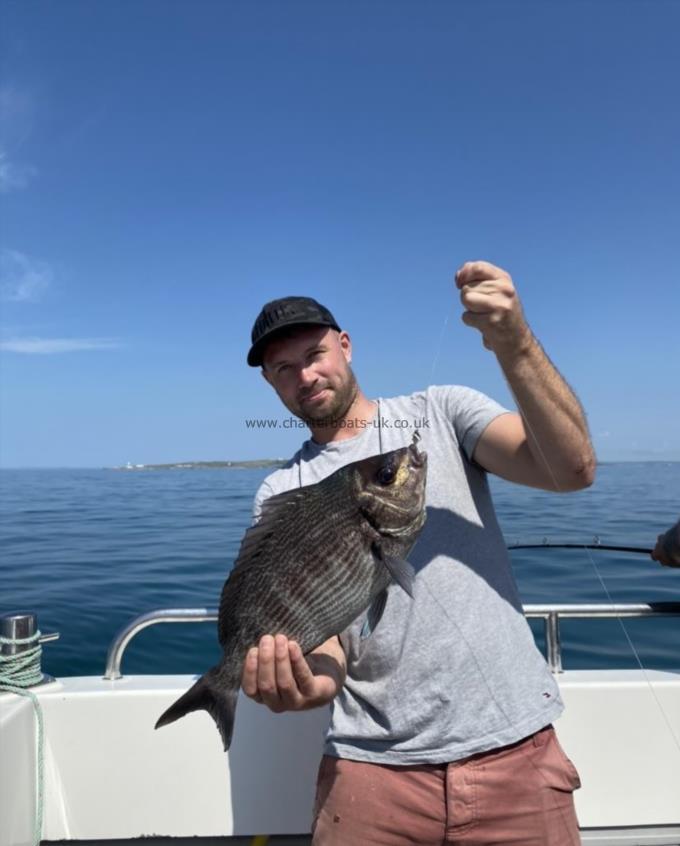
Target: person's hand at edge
667	549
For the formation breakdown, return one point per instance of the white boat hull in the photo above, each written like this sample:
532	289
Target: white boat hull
109	775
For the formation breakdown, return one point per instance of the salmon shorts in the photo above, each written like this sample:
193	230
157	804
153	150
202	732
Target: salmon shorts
518	795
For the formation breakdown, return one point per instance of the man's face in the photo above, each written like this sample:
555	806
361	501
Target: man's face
309	370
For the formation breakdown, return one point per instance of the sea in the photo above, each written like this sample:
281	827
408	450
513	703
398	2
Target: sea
89	550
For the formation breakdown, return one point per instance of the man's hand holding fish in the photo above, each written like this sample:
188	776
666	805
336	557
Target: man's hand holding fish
278	675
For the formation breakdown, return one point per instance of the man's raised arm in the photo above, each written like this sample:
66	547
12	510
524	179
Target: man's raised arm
547	444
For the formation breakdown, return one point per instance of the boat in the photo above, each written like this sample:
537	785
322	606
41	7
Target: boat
108	776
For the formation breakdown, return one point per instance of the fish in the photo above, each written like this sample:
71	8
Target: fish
317	559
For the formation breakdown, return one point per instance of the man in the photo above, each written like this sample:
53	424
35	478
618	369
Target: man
441	719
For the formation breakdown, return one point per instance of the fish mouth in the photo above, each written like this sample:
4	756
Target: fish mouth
418	459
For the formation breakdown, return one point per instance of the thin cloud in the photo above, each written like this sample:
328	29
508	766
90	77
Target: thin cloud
22	278
13	177
16	122
16	115
54	346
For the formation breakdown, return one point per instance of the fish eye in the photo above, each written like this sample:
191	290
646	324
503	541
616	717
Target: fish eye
386	475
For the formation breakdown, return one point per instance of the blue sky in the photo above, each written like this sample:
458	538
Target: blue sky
167	167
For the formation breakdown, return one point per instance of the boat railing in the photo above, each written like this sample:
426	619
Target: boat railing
551	615
121	641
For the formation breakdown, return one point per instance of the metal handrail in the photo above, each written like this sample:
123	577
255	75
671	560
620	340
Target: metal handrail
114	657
551	614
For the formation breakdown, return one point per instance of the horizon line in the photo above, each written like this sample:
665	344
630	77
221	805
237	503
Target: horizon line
239	460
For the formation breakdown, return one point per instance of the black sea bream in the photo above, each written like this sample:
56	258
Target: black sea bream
319	556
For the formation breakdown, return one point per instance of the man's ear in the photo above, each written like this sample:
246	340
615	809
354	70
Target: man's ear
346	346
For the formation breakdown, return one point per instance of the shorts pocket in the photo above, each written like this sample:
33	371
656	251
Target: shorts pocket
552	762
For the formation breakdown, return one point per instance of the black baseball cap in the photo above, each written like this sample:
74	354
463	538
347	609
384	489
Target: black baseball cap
281	314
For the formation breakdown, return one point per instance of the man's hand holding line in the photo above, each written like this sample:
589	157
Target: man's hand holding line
493	307
546	445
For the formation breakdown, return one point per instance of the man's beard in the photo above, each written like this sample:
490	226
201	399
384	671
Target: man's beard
343	397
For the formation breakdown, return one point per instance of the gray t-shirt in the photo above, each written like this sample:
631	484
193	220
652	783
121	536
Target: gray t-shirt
453	671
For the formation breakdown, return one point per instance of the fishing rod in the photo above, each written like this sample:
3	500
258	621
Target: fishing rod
640	550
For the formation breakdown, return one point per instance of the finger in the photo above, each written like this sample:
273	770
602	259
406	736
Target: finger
479	302
266	672
301	670
498	293
477	321
285	682
497	303
473	271
249	676
486	286
480	322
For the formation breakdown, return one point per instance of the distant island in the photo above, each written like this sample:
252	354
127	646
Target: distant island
255	464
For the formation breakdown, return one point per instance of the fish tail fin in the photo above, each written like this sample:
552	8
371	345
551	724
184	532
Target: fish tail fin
211	695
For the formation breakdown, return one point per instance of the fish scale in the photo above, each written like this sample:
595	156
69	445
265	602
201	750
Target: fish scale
318	558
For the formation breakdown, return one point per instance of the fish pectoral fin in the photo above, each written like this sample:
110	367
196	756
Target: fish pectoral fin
375	612
402	572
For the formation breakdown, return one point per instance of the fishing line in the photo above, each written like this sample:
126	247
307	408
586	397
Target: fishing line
597	573
584	546
439	345
482	675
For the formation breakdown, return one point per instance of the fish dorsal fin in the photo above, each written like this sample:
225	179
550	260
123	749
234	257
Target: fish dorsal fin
275	510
